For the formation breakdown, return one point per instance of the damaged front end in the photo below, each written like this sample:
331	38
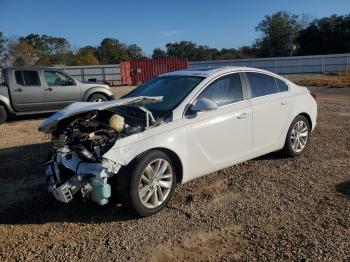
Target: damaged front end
81	134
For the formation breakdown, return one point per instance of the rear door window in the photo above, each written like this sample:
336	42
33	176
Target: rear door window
27	78
261	84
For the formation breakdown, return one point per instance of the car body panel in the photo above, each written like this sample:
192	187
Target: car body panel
186	144
211	140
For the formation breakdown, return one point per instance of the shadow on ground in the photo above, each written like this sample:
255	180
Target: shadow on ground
343	188
14	118
24	198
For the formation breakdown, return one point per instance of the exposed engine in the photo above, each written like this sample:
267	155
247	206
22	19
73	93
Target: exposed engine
78	144
93	134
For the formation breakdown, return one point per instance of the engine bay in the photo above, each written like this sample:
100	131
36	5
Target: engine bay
79	142
93	134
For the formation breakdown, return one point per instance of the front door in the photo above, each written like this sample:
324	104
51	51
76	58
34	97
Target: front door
61	90
221	137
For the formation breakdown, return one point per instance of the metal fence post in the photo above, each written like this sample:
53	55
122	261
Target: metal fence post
298	66
82	74
322	69
104	74
347	63
274	64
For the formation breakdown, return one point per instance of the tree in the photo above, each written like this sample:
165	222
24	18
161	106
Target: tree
190	50
248	52
158	53
279	34
19	53
134	52
85	57
327	35
112	51
3	41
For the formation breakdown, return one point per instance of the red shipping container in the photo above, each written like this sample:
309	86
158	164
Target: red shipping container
140	71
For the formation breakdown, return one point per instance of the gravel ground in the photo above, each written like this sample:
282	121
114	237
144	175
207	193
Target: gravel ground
270	208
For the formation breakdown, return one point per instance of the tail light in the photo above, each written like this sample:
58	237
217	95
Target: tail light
313	95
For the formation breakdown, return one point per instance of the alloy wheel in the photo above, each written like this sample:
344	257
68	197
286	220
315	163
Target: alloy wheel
299	136
155	183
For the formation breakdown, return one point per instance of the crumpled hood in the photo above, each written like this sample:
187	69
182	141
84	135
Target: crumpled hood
49	124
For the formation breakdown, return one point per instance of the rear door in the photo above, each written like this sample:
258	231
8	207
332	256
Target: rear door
27	92
271	110
61	90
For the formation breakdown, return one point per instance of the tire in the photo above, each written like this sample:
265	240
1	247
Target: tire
98	98
133	190
299	129
3	114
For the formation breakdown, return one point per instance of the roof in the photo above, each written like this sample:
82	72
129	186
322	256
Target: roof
210	71
32	68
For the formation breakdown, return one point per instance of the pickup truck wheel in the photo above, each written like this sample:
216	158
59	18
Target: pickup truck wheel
3	114
97	98
148	184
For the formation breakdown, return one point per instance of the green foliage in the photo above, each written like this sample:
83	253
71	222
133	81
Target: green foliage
134	52
20	53
279	34
112	51
84	57
3	41
328	35
159	53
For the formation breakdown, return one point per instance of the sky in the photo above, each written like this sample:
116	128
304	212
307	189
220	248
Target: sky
151	24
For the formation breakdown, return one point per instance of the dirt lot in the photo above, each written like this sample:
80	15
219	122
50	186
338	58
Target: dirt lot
270	208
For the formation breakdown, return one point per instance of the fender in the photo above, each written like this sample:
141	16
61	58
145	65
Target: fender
300	105
5	101
161	137
97	89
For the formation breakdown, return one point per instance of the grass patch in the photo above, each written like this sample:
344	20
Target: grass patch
337	80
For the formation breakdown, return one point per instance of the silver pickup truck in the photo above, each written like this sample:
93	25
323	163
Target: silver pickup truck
26	91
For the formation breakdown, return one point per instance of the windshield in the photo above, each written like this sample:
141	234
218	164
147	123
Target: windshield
174	89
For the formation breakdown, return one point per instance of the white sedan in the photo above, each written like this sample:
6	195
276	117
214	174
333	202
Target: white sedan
175	128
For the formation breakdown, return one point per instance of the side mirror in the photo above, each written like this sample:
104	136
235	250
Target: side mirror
204	104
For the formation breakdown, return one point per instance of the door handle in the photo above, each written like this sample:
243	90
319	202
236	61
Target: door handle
242	115
18	90
49	89
284	102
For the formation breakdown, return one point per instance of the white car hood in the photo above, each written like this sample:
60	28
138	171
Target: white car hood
49	124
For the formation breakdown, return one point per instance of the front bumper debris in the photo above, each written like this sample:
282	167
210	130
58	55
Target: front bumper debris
67	174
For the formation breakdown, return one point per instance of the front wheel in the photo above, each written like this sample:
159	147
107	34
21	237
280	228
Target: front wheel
297	137
148	184
98	98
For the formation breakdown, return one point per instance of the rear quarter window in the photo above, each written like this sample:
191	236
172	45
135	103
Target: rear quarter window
261	84
282	86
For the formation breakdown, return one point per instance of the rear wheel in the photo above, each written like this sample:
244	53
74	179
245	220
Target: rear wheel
147	185
3	114
297	137
98	98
